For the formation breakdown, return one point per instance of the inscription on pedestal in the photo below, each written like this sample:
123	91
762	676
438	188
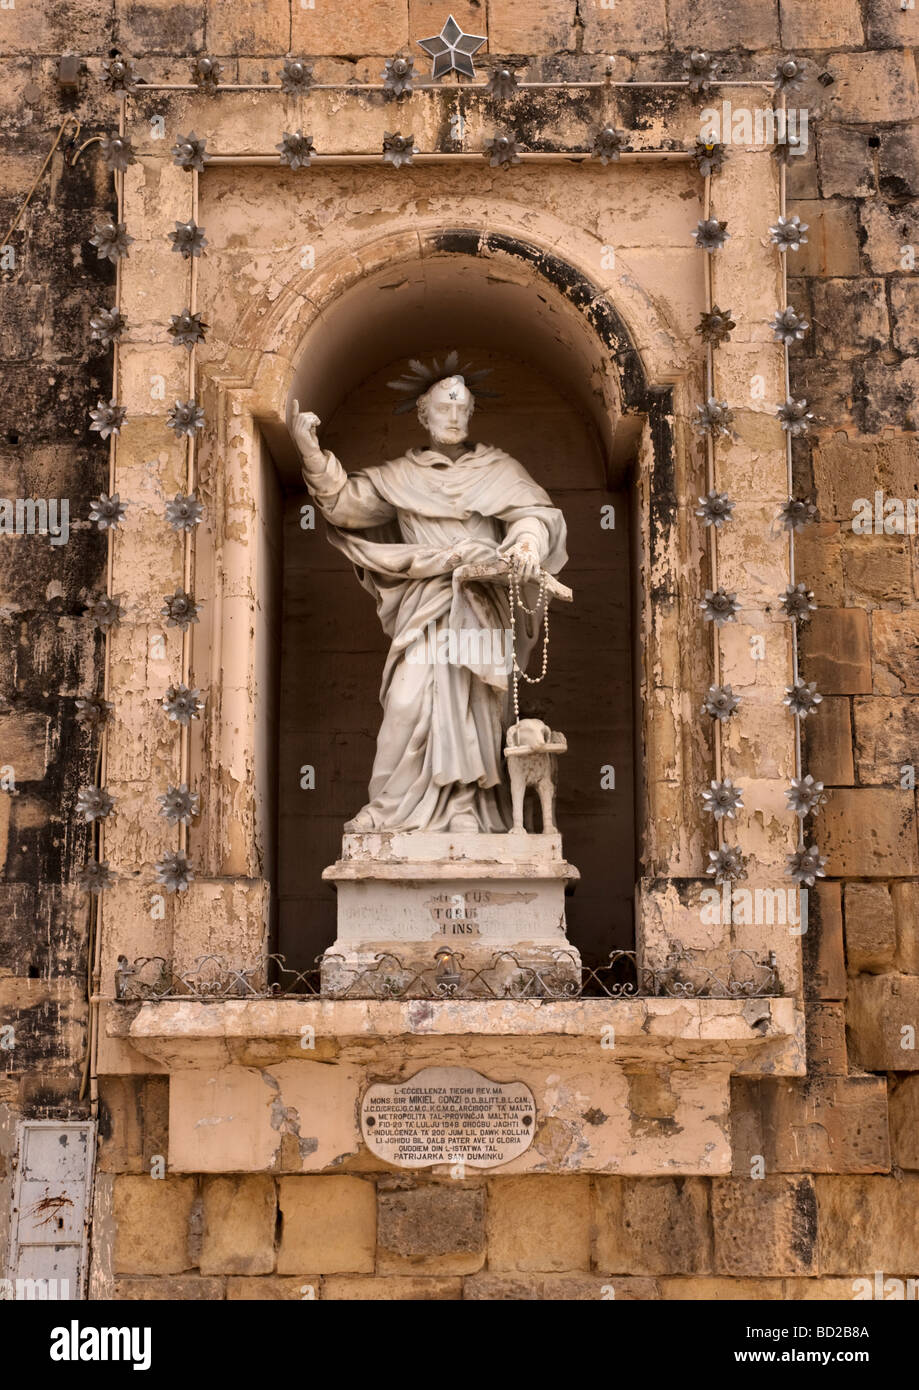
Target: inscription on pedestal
448	1115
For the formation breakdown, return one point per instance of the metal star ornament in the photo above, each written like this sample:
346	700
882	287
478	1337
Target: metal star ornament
187	328
107	611
727	864
183	703
802	698
178	804
296	149
107	512
798	603
719	606
107	326
723	799
94	803
93	710
720	702
174	872
184	512
796	514
180	609
806	865
451	50
95	877
805	796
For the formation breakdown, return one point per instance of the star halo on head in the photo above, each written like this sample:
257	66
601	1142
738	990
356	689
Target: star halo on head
422	377
451	50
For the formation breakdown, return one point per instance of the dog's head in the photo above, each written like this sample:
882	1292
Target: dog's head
529	733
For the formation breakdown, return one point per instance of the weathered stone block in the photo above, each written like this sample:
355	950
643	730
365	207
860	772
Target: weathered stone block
819	1290
886	739
904	1121
329	1225
898	163
849	470
546	26
765	1226
183	1289
846	162
240	1215
828	742
377	26
890	26
832	1124
435	1229
868	1224
889	231
160	26
836	651
251	27
851	316
869	832
272	1288
629	26
895	638
539	1223
652	1226
711	1290
883	1015
826	1038
818	560
832	238
392	1289
807	26
872	86
133	1123
558	1288
152	1218
877	570
906	912
871	937
904	308
721	25
822	944
24	745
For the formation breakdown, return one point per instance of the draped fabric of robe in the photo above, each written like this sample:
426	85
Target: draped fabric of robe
408	526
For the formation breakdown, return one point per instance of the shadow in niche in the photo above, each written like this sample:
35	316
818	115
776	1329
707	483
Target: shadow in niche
333	652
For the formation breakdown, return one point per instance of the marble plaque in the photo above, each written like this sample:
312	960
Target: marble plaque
448	1115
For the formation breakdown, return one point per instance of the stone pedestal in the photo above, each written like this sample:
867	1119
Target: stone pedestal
481	914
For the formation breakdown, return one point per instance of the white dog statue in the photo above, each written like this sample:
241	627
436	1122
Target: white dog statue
531	750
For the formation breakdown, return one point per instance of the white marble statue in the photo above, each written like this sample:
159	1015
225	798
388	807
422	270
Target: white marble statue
409	526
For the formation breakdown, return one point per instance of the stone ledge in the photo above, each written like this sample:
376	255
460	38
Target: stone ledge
761	1036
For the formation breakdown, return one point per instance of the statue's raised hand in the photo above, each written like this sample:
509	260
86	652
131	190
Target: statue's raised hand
304	425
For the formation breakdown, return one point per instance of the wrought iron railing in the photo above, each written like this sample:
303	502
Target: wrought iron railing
739	976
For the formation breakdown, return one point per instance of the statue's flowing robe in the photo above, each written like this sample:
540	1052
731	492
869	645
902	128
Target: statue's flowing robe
408	526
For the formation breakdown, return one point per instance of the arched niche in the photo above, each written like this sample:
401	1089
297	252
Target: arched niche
573	400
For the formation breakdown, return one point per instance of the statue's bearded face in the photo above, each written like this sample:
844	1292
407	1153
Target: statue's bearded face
445	410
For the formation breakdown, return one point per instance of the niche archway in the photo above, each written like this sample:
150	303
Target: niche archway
572	399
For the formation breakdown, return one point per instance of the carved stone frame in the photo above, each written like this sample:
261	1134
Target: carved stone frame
653	379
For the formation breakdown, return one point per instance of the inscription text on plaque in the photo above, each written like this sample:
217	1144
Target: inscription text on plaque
448	1115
